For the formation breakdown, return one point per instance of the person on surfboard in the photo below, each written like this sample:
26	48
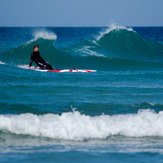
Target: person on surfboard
35	56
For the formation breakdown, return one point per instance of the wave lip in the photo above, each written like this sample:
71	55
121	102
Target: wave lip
43	34
78	127
113	27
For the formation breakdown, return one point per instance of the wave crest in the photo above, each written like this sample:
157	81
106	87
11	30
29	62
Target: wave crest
113	27
45	35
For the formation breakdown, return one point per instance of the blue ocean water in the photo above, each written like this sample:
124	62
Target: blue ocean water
112	115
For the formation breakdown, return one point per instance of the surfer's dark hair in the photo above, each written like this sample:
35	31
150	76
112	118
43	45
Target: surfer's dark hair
35	46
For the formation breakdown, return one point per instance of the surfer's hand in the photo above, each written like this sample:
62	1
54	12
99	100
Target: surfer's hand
47	62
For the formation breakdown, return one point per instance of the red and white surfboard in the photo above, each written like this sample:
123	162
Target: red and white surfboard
69	70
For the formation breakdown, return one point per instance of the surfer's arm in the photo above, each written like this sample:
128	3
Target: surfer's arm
31	61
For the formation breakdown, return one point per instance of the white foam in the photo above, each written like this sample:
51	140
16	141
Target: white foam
111	28
25	67
45	35
87	50
2	63
75	126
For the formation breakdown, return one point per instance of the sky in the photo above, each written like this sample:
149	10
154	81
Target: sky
79	13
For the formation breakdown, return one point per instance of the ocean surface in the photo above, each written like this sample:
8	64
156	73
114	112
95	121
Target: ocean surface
112	115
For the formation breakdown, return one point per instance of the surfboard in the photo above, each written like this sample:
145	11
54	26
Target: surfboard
67	70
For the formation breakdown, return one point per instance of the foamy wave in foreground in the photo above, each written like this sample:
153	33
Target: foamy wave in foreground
76	126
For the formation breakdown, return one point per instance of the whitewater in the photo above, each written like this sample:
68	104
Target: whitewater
65	126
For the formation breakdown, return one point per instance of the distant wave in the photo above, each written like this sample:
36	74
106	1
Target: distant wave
124	43
118	44
77	126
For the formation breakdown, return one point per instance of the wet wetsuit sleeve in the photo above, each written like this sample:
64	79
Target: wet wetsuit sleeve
31	60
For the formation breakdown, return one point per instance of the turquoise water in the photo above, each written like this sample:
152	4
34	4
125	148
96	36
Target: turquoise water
112	115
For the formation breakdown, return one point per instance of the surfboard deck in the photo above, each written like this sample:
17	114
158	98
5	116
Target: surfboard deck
67	70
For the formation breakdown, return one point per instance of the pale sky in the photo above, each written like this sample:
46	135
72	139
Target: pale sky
80	13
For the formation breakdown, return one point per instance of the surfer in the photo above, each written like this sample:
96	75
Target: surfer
35	56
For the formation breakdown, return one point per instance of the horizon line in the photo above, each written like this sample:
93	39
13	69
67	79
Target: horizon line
73	26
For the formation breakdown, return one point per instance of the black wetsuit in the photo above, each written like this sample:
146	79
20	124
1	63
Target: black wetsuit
35	56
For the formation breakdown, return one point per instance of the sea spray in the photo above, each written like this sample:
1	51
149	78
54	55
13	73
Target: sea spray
113	27
45	34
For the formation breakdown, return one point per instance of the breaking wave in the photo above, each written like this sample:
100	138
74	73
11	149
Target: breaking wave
77	126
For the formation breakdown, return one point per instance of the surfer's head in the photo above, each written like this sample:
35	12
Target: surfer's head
35	48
